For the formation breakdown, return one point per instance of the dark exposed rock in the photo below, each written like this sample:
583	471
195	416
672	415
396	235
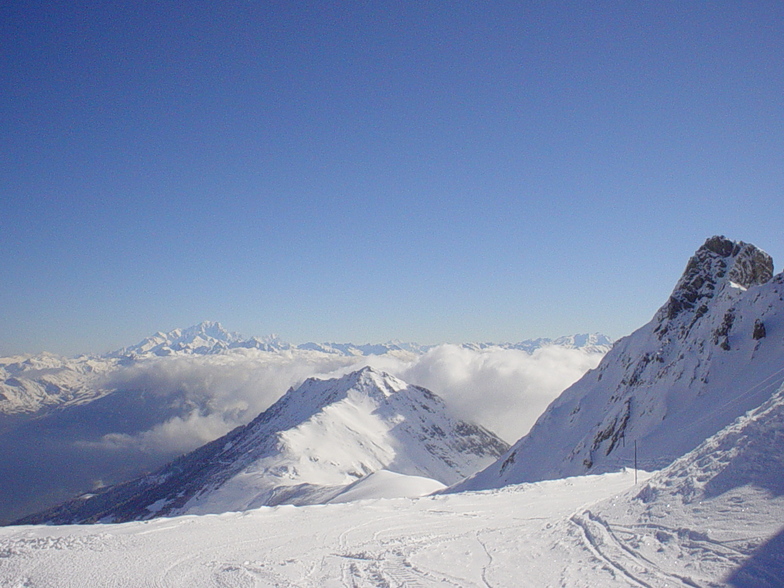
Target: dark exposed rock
718	259
615	430
724	247
759	330
721	335
508	461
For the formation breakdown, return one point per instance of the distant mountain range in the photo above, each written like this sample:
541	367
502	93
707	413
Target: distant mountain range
29	384
210	337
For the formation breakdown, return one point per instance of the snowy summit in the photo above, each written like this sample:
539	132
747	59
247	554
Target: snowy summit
315	443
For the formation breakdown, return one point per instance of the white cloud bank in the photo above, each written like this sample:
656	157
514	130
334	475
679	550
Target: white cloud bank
504	390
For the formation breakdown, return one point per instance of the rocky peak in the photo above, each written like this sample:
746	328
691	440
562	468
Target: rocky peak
369	376
317	393
206	337
718	262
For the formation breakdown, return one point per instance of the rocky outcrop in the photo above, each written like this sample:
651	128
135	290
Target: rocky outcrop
719	261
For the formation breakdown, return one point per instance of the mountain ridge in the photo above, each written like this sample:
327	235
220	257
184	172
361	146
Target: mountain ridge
308	447
210	337
671	383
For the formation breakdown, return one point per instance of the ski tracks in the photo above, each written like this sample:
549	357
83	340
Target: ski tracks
639	554
389	565
383	555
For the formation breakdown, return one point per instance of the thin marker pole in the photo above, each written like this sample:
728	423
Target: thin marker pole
635	462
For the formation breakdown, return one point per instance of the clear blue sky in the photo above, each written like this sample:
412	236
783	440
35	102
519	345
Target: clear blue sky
363	171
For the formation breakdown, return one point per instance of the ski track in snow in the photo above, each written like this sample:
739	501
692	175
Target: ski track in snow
457	540
574	532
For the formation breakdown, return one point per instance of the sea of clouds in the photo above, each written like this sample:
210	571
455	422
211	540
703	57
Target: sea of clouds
158	408
504	390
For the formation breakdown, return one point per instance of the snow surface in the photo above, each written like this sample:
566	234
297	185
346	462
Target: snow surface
716	505
712	518
575	532
386	484
498	538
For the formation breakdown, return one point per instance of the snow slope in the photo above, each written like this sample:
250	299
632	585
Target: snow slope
497	538
712	518
716	513
714	351
29	384
307	448
386	484
577	532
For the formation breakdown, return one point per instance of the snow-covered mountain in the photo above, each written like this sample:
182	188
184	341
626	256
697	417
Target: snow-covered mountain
713	351
313	444
209	338
351	349
588	342
29	384
749	452
68	425
713	518
206	338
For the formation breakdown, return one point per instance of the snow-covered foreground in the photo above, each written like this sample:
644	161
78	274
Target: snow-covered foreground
473	539
548	533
